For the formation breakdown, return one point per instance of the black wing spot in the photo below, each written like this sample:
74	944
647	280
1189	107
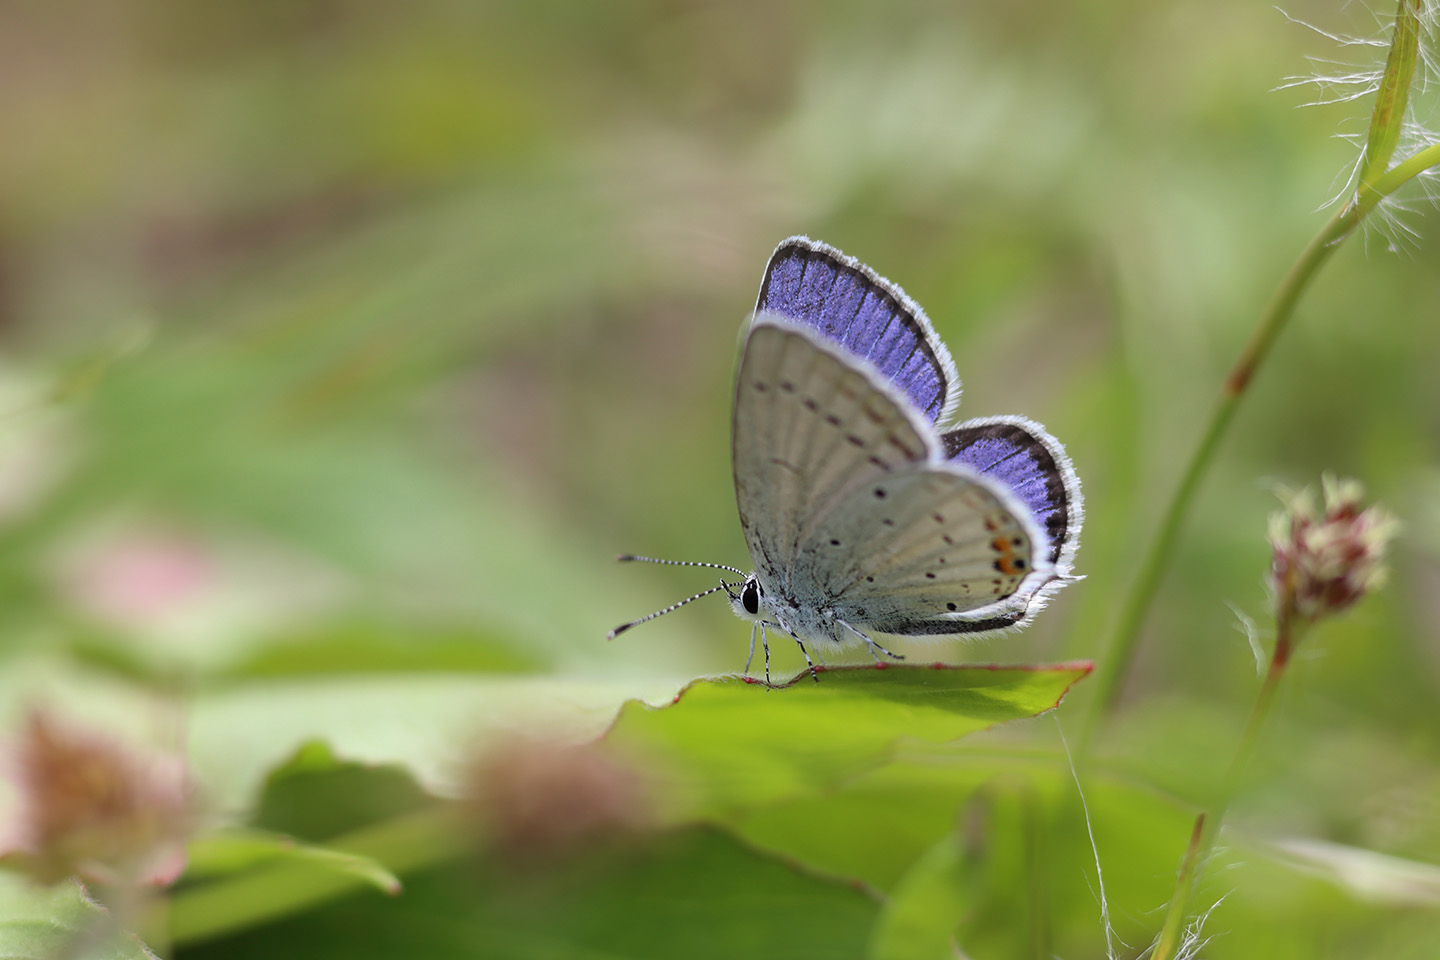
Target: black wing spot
888	522
1018	563
834	543
760	386
929	576
869	579
879	493
831	419
855	440
1017	542
949	606
787	386
949	540
938	518
810	404
859	611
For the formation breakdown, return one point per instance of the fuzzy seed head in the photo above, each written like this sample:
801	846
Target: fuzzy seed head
1324	561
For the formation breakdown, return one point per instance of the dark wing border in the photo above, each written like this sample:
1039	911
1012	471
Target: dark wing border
1062	483
909	312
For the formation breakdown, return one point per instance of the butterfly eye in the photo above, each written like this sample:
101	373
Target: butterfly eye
750	597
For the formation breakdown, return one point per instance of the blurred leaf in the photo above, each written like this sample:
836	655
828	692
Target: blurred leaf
425	723
1365	874
375	648
696	894
1014	810
315	795
284	886
733	743
919	919
42	923
235	851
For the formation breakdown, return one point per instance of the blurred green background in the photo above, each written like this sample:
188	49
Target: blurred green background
357	338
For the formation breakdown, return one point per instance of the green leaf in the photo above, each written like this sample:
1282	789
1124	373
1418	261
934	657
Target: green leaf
1388	118
42	923
696	894
238	850
315	795
924	909
733	743
282	887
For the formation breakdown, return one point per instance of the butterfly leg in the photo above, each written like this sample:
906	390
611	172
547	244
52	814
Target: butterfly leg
765	644
809	664
750	659
871	645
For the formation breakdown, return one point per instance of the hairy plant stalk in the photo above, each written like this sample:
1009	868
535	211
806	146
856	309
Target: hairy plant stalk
1374	184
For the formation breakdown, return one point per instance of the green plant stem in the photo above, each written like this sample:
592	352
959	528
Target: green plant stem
1207	824
1115	665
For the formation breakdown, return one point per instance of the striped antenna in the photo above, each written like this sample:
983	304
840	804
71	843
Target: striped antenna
630	557
674	606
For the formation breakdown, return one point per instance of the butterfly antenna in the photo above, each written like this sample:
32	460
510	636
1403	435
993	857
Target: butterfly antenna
674	606
630	557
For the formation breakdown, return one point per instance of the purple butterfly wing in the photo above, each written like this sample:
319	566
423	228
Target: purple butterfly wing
1022	456
851	305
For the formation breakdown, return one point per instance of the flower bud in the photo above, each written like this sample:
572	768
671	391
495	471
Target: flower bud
1323	562
539	801
89	806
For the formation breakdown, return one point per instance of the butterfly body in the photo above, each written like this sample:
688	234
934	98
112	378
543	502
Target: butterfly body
863	515
855	521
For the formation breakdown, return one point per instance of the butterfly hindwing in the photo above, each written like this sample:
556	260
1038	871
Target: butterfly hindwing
933	550
850	305
1033	466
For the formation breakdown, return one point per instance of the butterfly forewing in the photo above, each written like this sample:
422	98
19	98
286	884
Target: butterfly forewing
851	306
808	428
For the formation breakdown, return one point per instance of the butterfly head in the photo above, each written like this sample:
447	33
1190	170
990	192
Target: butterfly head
747	598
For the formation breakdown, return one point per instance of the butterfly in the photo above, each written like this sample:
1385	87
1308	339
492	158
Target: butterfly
866	514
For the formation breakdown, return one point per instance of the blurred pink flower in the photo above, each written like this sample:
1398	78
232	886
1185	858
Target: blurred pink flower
140	578
539	801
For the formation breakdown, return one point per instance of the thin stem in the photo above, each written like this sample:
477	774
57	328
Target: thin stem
1169	939
1115	665
1398	175
1207	824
